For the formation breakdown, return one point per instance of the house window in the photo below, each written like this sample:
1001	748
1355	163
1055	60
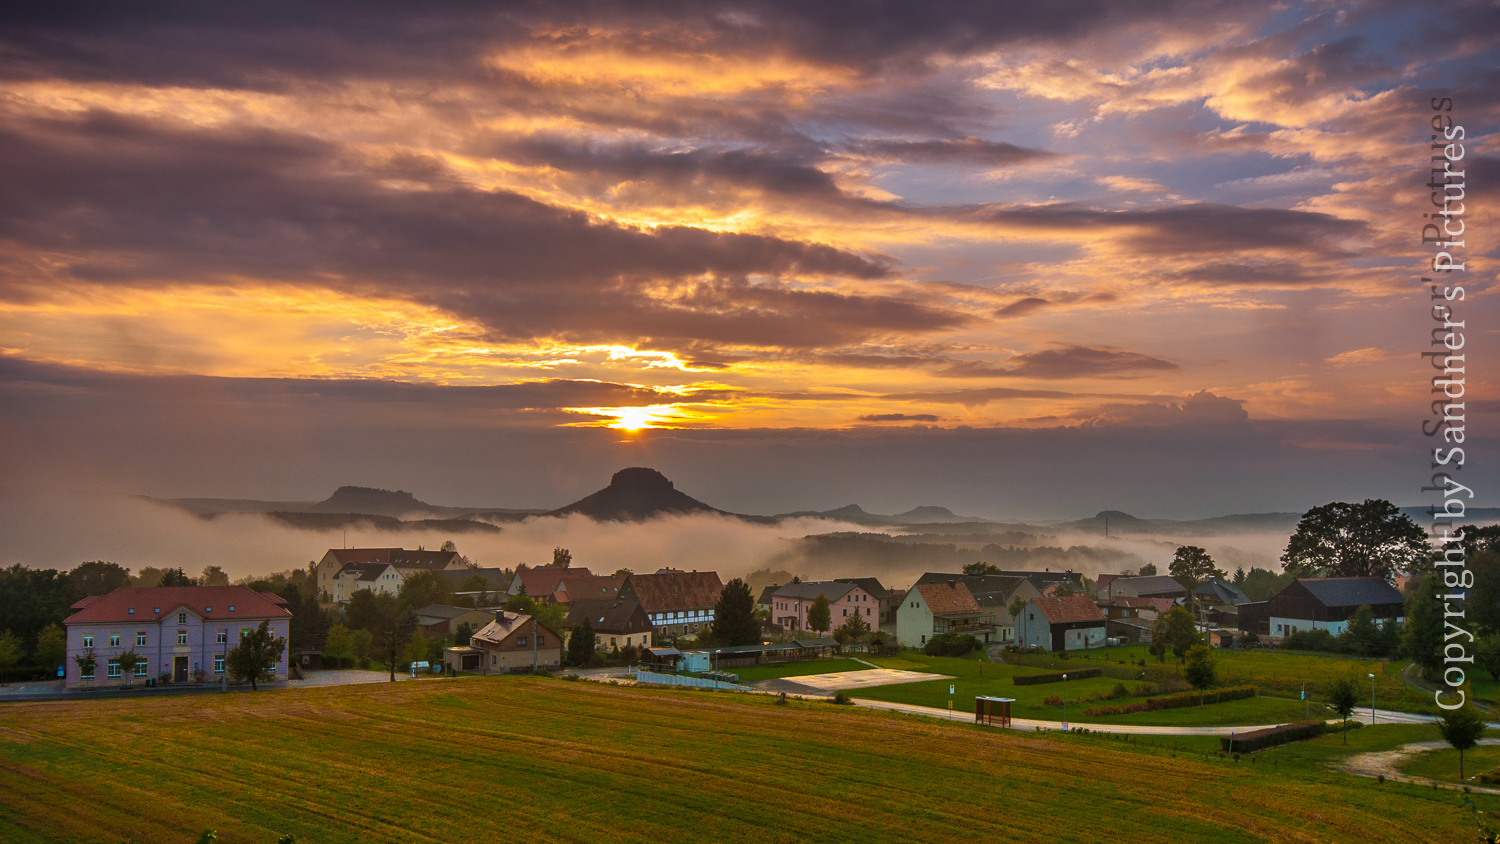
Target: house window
222	636
182	637
182	618
88	640
219	664
140	637
612	640
846	612
114	669
140	668
522	641
541	641
598	640
114	640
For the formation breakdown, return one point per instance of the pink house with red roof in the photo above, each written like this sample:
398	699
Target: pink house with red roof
184	631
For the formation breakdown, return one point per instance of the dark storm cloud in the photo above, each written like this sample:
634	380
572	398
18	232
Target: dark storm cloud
1021	307
899	417
118	200
972	151
270	45
1191	228
20	378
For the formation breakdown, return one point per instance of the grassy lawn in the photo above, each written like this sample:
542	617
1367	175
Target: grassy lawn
547	760
1442	765
753	673
1282	673
996	681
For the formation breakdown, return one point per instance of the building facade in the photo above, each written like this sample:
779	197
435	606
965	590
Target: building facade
932	609
336	585
679	603
516	642
1061	624
791	603
181	631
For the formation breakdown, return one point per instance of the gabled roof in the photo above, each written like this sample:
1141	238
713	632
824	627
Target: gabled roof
427	560
496	578
600	586
1151	584
505	624
1070	609
872	585
674	590
154	603
948	598
364	571
542	581
1103	581
809	590
1220	590
609	615
989	590
443	611
346	556
1352	591
766	593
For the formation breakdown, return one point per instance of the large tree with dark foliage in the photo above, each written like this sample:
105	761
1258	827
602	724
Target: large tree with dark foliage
31	599
1422	635
255	656
176	577
98	578
581	644
391	629
734	616
1371	539
1191	567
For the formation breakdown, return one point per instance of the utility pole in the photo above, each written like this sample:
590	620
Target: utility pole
533	644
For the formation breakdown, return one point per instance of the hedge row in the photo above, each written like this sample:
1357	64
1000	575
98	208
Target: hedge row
1033	679
1177	701
1270	737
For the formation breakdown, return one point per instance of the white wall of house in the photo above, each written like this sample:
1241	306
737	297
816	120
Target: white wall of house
913	621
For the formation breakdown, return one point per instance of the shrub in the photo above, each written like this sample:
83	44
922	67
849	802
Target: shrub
951	644
1052	700
842	699
1119	691
1033	679
1177	701
1313	640
1270	737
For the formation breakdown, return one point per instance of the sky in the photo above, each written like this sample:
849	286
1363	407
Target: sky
1026	262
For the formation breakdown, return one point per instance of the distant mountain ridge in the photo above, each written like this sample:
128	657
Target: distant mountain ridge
636	494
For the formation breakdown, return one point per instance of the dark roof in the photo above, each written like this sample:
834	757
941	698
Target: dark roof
673	590
1069	609
444	611
364	571
989	590
496	578
1040	579
1352	591
871	585
753	649
609	615
766	593
811	589
598	586
430	560
823	642
1155	584
215	602
1221	590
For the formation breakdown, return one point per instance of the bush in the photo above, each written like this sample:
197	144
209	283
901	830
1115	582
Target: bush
843	699
951	644
1261	739
1052	700
1313	640
364	662
1119	691
1033	679
1177	701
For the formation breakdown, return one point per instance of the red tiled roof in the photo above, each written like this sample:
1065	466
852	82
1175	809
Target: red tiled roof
948	598
154	603
1069	609
601	586
544	580
672	591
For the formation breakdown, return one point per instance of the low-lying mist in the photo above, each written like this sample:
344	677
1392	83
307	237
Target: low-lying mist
61	528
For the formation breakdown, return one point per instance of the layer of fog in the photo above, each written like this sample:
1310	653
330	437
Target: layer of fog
61	528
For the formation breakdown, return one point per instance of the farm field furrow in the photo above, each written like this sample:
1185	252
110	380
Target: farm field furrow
548	760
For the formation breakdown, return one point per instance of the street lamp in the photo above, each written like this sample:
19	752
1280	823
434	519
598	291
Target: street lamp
1372	700
1065	703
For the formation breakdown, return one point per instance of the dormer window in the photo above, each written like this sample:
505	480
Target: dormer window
231	608
208	609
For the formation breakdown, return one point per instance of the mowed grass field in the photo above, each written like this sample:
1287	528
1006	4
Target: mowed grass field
975	679
542	760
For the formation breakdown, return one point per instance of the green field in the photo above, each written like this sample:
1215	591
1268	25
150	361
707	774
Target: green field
995	680
541	760
1442	765
1277	672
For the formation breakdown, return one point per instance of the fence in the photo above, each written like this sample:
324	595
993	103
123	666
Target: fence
679	680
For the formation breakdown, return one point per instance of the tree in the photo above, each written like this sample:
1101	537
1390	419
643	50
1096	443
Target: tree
1017	606
361	611
10	652
1239	577
1422	639
255	655
475	582
581	644
213	576
52	646
1158	650
734	615
1364	635
852	630
1483	604
1343	696
1175	629
1487	655
981	568
1148	570
98	578
623	572
425	588
86	663
127	662
416	646
462	635
1063	590
1462	728
176	577
1200	670
340	643
562	558
1191	567
391	630
1371	539
448	545
31	599
819	615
